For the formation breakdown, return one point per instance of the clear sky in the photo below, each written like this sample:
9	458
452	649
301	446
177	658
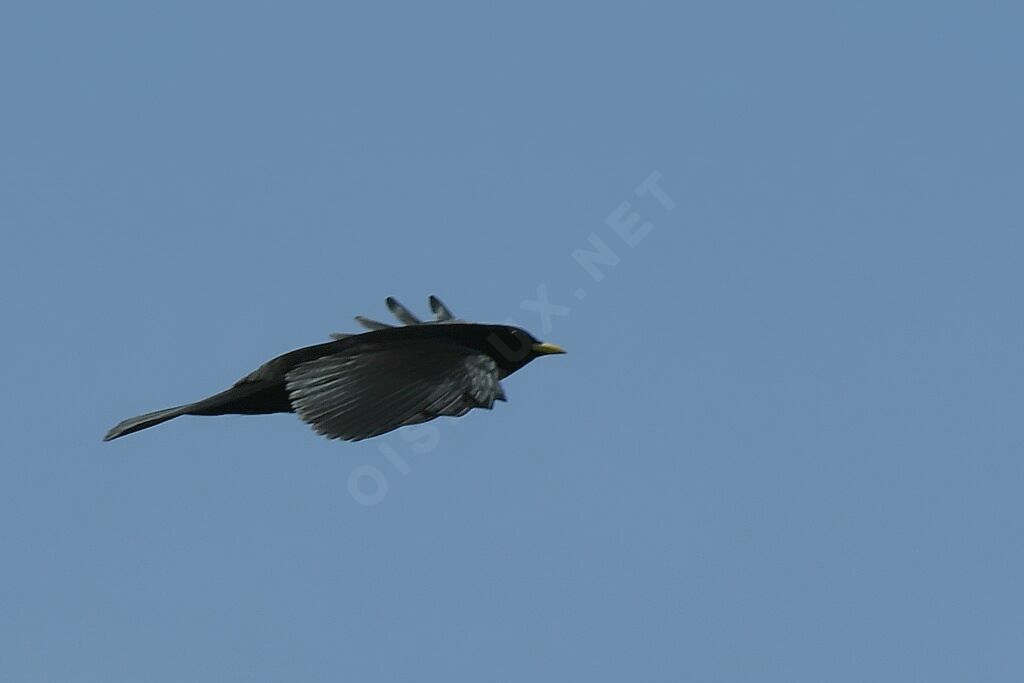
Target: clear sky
786	444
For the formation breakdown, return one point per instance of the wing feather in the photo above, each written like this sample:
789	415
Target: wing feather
374	388
403	314
442	314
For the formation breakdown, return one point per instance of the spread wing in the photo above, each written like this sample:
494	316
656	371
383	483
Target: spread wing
441	315
373	389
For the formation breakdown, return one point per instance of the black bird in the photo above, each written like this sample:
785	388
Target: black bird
363	385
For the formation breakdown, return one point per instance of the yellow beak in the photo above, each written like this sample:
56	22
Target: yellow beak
546	348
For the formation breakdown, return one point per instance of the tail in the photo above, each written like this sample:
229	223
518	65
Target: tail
134	424
245	398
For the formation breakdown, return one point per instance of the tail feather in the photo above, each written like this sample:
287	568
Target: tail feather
245	398
134	424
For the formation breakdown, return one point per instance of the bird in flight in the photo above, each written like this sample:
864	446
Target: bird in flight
363	385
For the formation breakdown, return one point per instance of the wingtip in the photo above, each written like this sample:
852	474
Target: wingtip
404	315
371	324
441	312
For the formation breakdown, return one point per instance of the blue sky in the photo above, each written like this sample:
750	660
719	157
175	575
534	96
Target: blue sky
785	444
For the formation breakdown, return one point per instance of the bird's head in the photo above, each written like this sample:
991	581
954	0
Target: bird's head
513	347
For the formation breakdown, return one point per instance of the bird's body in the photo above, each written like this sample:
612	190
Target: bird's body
363	385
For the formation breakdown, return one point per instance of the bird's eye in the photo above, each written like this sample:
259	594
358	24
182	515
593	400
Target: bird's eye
524	339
